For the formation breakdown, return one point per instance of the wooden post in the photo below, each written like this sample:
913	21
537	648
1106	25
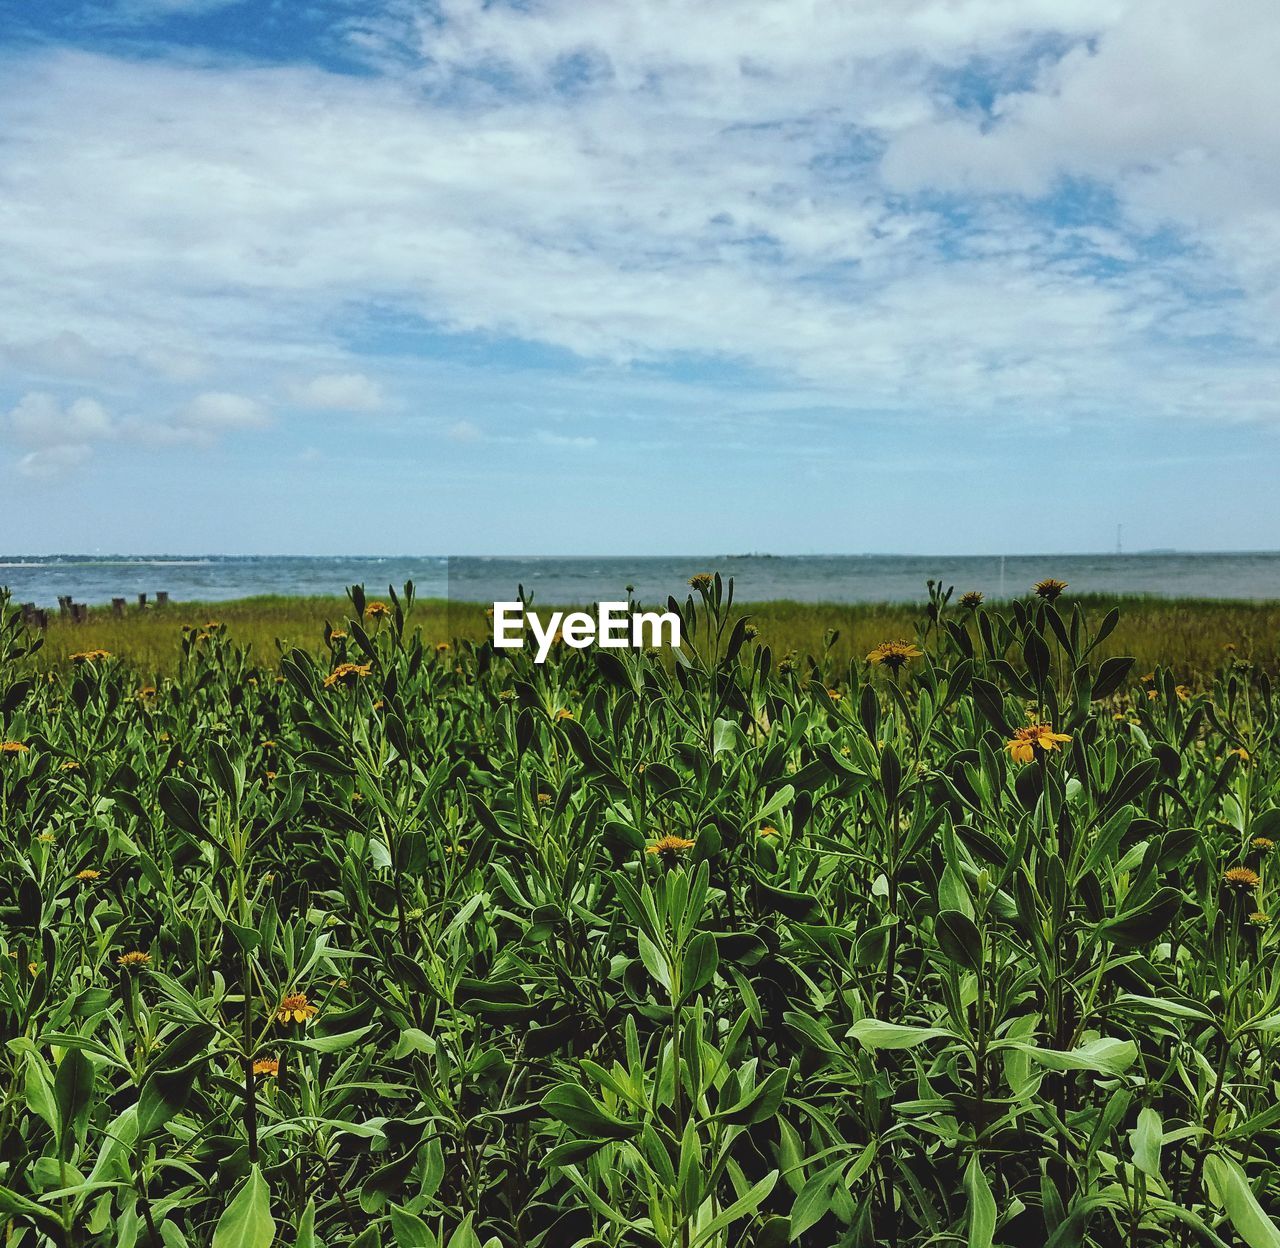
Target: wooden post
117	607
162	598
42	619
142	601
64	604
79	612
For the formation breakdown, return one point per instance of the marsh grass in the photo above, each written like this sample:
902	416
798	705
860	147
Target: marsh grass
1190	636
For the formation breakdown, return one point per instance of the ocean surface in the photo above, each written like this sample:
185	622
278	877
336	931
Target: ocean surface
757	578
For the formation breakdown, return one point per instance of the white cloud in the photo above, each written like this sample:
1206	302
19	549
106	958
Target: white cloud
54	461
559	439
734	179
42	421
343	392
215	412
59	355
465	431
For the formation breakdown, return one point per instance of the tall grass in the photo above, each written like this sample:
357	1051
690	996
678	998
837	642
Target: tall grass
1191	636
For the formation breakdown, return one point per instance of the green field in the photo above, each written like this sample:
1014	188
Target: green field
392	939
1189	635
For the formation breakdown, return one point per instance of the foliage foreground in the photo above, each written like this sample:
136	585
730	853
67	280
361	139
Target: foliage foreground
963	943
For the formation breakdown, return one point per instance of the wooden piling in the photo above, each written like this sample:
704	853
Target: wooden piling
142	601
117	607
162	598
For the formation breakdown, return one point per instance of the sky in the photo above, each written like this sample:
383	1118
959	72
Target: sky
638	276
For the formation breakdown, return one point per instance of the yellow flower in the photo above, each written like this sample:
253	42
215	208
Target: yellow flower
271	775
1049	588
543	798
443	647
147	691
563	714
1263	844
972	600
46	838
1259	919
338	634
834	694
377	611
1242	754
295	1008
69	765
88	875
1183	692
134	958
669	848
90	656
767	830
1241	879
702	580
893	654
267	1066
1033	739
13	747
268	745
347	674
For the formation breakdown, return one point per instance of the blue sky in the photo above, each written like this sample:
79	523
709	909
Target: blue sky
643	276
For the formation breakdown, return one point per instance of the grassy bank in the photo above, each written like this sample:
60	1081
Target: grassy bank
1188	635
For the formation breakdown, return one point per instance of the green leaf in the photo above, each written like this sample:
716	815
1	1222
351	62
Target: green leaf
871	1033
578	1110
760	1103
700	962
333	1044
815	1198
1161	1006
655	961
181	804
410	1231
1237	1198
1146	1140
959	938
727	736
165	1093
73	1091
1143	925
745	1204
39	1090
247	1221
1104	1056
306	1236
13	1204
982	1206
